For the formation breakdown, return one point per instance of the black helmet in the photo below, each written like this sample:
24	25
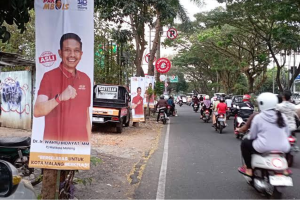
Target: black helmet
222	99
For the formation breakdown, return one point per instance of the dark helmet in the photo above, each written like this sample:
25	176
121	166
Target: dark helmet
222	99
162	97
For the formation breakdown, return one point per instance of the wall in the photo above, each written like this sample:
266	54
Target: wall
16	99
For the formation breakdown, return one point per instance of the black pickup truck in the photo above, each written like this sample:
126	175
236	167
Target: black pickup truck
111	106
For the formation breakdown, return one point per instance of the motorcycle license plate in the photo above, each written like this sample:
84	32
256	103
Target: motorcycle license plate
281	180
221	119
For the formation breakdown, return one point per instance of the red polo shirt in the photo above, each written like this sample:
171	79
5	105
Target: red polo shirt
139	109
222	108
67	121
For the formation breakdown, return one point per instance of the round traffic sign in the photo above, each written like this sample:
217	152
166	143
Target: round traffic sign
163	65
162	77
147	58
172	33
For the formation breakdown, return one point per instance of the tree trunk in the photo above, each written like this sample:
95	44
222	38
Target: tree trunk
294	76
49	183
250	84
140	45
278	67
155	44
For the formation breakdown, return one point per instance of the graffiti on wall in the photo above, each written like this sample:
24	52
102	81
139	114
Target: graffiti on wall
13	96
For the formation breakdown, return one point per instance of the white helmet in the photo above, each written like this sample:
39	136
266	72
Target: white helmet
267	101
207	97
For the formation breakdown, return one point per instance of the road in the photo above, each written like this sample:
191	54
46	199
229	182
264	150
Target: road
200	164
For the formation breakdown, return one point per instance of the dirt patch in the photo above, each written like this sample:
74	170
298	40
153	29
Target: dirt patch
123	156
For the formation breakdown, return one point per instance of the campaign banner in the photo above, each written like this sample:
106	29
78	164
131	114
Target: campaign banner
106	92
149	83
137	100
62	105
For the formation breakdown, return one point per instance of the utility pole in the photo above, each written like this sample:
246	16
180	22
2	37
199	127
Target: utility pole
273	77
156	74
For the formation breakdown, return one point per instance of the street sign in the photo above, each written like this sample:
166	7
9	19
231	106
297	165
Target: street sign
162	77
172	33
147	58
173	79
163	65
298	77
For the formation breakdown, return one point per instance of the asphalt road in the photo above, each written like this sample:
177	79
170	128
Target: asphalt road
202	164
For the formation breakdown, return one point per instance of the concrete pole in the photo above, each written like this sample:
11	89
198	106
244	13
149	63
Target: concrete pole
273	77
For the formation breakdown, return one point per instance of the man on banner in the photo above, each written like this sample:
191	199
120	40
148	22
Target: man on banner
64	96
151	99
137	103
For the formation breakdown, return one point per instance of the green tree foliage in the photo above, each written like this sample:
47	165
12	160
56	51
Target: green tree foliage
275	22
14	12
23	44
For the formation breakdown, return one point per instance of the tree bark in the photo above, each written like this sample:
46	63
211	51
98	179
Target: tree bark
278	67
140	45
155	44
49	183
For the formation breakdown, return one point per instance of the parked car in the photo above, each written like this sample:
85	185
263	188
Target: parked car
111	106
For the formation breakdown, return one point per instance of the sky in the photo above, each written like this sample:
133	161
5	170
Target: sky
191	9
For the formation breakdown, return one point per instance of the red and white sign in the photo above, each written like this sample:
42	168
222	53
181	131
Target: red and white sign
172	33
147	58
163	65
47	58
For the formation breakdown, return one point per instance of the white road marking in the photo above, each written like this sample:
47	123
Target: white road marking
163	170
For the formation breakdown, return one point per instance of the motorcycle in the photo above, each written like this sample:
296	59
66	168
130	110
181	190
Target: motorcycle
206	116
196	107
220	125
12	185
16	150
228	112
268	177
240	122
168	110
293	151
162	115
180	103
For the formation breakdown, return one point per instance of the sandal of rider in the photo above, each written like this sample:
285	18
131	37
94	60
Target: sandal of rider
242	170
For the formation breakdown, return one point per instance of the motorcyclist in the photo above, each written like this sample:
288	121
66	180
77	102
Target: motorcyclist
201	98
162	103
215	110
179	99
244	109
261	137
222	108
206	105
195	100
289	109
171	103
228	101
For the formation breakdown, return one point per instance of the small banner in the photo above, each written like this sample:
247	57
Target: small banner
63	95
149	98
137	100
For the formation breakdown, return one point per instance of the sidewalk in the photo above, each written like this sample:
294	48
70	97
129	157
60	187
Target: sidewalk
124	158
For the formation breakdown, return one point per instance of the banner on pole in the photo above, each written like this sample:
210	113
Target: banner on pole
149	82
63	96
137	100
